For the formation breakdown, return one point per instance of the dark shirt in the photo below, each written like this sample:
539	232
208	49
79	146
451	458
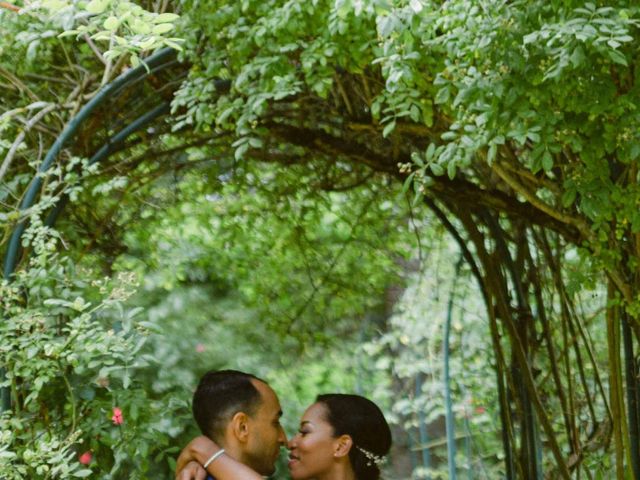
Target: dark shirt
209	477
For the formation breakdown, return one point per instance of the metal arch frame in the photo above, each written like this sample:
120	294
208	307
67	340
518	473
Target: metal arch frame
155	62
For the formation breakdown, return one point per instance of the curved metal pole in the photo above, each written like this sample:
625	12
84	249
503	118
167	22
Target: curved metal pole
151	64
112	145
449	420
505	420
422	430
155	60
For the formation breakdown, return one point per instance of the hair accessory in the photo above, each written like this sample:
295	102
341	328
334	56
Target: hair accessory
372	458
213	458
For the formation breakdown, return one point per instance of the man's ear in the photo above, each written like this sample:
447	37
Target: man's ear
240	426
342	446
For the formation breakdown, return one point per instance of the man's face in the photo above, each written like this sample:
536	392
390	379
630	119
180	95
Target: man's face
267	435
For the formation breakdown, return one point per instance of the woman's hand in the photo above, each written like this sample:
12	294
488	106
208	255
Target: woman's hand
198	450
192	471
201	449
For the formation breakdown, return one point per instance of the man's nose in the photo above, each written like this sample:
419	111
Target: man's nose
282	438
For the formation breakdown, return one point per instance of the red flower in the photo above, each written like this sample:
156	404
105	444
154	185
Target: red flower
117	416
200	348
480	410
86	458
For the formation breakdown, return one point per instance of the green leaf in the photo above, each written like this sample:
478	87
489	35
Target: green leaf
568	197
443	95
431	149
533	136
111	23
617	57
408	182
388	128
449	135
451	170
417	197
577	57
82	473
547	161
436	169
491	153
255	142
58	302
147	44
173	44
139	27
166	18
162	28
68	33
97	6
101	35
240	151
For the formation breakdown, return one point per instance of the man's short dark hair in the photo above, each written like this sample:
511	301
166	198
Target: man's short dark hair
219	396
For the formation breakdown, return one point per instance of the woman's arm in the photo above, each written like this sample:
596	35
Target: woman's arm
201	449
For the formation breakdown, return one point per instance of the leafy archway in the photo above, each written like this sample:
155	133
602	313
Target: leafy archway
515	129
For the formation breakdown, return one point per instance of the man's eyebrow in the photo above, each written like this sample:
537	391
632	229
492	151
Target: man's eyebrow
305	422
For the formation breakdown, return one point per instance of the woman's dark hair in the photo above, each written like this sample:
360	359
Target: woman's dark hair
363	421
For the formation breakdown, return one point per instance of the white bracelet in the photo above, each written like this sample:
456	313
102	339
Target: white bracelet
213	458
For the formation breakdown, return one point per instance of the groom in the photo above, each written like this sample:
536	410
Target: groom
241	413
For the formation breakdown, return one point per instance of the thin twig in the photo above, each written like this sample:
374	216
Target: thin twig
108	65
9	6
18	141
94	48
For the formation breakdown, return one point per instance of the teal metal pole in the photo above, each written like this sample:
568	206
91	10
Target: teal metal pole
154	62
422	430
448	403
5	393
114	144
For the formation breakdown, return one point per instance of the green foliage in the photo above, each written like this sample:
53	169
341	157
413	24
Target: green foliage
308	262
519	117
128	28
411	350
71	352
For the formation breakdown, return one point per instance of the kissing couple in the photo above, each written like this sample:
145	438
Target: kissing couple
341	437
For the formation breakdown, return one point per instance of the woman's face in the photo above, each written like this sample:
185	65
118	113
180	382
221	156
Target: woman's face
312	449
